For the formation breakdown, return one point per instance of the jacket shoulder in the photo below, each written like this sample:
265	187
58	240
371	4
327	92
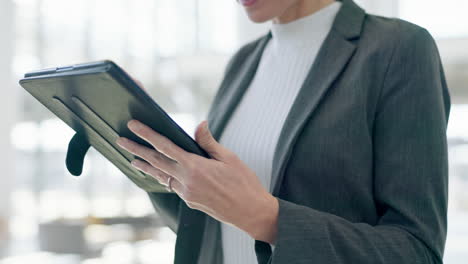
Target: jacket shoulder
396	32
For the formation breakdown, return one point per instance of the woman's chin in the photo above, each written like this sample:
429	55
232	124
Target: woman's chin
258	17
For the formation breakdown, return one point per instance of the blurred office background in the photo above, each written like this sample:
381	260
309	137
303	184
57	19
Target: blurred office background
178	49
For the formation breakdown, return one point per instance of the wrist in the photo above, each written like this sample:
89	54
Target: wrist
264	218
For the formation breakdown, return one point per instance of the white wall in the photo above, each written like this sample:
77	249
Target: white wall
380	7
7	105
246	29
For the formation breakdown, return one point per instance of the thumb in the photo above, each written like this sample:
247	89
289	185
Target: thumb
206	140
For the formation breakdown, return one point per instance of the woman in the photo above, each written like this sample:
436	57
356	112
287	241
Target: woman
333	148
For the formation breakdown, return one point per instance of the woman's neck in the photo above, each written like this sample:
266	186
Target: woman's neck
300	9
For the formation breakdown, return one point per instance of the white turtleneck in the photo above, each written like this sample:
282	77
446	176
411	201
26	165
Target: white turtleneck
253	130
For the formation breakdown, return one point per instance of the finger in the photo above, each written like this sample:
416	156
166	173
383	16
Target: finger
152	156
139	84
177	187
160	176
158	141
149	169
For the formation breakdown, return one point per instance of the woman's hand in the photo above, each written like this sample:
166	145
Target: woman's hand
223	187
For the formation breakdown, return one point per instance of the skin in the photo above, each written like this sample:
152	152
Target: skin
223	187
283	11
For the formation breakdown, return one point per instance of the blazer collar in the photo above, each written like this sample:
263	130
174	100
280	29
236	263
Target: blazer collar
334	54
349	20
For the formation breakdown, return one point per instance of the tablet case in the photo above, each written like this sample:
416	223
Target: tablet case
97	100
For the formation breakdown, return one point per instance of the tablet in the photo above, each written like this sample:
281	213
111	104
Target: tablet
97	100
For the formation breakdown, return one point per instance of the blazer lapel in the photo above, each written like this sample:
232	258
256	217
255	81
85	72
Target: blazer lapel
235	89
331	60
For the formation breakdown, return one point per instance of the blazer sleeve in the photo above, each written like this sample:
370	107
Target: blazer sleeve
410	175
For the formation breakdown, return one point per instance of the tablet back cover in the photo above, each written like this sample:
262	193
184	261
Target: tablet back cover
98	101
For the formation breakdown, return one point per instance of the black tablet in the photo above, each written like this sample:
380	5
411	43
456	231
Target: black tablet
97	100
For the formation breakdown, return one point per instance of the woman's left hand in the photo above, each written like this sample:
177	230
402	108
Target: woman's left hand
223	186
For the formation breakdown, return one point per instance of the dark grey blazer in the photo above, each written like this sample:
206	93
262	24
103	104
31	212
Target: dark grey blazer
360	169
